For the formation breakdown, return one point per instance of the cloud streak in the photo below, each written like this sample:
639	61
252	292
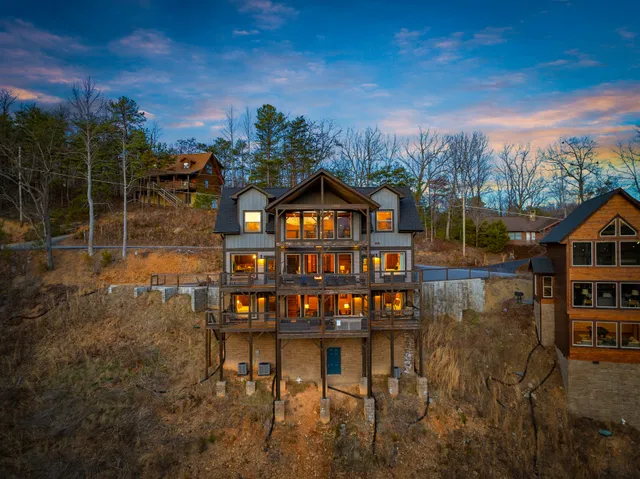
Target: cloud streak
267	15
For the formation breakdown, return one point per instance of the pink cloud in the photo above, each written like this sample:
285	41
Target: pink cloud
32	95
143	42
19	32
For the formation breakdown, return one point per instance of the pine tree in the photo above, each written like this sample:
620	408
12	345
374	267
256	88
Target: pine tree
270	128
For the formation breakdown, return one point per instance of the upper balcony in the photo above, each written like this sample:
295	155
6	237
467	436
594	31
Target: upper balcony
395	279
407	318
241	322
293	283
248	281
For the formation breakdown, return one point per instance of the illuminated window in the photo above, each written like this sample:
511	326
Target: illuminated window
310	225
328	225
583	333
329	263
344	225
345	304
393	261
252	222
344	263
243	263
607	335
311	263
292	222
311	306
384	220
241	303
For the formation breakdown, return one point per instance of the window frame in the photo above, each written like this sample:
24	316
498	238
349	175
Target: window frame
304	261
337	235
255	262
620	221
594	338
383	262
300	266
244	222
620	294
378	230
615	229
337	263
620	253
573	332
310	214
572	256
616	295
595	256
573	305
333	223
621	323
297	214
544	295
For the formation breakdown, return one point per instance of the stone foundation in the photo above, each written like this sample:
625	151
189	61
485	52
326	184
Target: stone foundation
250	388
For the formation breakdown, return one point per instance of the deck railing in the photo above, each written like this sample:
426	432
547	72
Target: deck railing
247	279
395	276
328	323
184	279
327	280
390	317
241	321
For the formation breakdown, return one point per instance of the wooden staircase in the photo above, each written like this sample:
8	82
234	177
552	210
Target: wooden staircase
168	197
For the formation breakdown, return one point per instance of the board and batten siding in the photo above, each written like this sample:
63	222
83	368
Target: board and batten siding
251	200
388	200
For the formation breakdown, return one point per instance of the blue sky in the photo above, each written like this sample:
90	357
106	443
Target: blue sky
519	71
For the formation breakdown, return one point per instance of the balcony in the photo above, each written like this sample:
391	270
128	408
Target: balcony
386	279
408	318
290	283
249	280
239	322
334	326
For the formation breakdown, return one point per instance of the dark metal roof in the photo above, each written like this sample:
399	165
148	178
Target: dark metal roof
581	214
541	265
523	223
227	221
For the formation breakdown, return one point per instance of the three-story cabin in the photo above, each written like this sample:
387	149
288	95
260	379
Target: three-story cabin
318	282
587	303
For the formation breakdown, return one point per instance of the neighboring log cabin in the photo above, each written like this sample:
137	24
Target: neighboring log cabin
587	304
319	283
179	183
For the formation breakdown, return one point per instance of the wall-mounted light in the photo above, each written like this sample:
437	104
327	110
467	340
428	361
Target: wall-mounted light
260	261
254	256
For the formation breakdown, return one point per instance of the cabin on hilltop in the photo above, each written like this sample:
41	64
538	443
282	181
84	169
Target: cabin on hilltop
523	230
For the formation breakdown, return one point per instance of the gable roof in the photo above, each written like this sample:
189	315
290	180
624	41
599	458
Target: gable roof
227	219
389	187
250	187
197	162
523	223
581	214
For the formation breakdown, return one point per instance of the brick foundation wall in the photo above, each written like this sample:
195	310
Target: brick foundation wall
604	391
301	357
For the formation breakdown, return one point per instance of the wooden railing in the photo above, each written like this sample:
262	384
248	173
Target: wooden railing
395	276
327	280
241	321
317	324
394	317
184	279
249	279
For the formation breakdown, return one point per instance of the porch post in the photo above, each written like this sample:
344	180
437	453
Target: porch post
221	348
391	350
421	366
250	355
323	369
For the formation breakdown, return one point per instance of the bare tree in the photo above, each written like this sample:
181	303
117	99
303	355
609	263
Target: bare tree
521	174
423	159
361	152
229	134
629	156
576	159
248	129
324	139
87	109
7	99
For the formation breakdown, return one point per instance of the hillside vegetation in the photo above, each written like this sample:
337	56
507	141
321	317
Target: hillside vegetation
110	386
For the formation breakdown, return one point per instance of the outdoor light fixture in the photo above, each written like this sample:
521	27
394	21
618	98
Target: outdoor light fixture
260	261
254	256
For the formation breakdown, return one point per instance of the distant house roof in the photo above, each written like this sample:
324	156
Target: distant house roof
581	214
541	265
196	162
523	223
227	220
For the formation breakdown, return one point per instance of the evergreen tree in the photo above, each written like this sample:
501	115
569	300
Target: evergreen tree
496	237
270	128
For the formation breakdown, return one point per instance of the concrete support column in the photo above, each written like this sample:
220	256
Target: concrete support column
394	387
363	386
221	389
279	411
422	387
251	388
369	410
325	410
283	386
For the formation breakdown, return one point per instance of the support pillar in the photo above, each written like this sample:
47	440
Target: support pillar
221	389
251	357
369	364
279	411
278	359
422	387
364	386
221	353
325	410
251	388
391	352
420	357
394	387
369	410
323	369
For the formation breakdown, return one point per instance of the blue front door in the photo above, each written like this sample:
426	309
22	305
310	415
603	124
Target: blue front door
333	361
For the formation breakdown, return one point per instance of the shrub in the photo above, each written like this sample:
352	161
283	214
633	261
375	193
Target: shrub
496	237
107	258
205	201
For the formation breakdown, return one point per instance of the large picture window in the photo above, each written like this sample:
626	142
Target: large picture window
583	295
393	261
630	335
582	253
606	253
583	333
344	225
607	335
630	295
310	225
328	230
344	263
292	223
292	263
311	263
243	263
253	222
311	306
384	220
606	295
329	263
345	304
241	303
629	253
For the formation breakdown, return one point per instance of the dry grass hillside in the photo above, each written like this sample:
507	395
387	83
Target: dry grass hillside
109	386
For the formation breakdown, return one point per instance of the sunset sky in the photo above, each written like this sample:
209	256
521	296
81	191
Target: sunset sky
518	71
